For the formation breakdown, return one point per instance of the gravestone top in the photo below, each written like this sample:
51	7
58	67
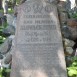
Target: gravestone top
37	14
50	1
38	50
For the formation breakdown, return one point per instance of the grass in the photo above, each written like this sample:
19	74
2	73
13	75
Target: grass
9	11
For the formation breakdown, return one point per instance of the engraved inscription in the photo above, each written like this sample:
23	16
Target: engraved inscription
37	16
38	27
48	9
38	8
38	36
27	9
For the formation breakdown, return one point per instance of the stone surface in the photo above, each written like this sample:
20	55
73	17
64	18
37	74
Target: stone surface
66	32
5	47
69	50
62	6
53	1
8	59
38	50
10	19
12	37
68	43
63	17
14	22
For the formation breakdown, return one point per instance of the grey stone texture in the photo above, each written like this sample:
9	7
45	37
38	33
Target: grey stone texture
10	19
5	47
8	59
38	50
69	50
68	43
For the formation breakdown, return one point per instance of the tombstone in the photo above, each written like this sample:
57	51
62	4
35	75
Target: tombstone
38	50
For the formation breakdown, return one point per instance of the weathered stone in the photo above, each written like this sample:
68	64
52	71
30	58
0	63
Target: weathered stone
13	41
69	50
63	17
53	1
68	43
8	59
14	22
66	32
38	50
62	6
5	47
10	19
